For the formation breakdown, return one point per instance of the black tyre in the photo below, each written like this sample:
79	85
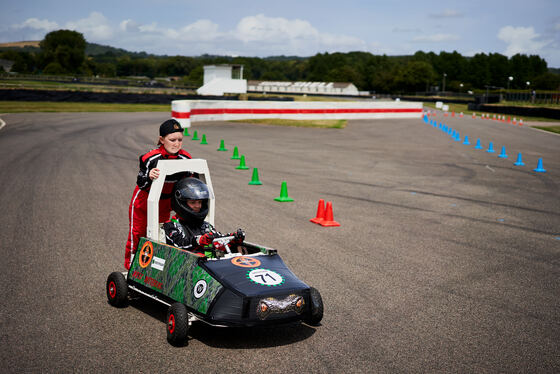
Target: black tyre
117	290
177	324
316	311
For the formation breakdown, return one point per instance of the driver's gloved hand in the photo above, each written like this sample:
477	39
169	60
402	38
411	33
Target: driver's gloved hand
205	239
239	236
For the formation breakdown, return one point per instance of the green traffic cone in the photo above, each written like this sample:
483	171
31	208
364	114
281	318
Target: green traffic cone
186	132
255	179
195	136
235	154
284	194
242	165
203	139
222	146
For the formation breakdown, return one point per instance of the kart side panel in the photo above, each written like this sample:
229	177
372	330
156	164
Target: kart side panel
173	273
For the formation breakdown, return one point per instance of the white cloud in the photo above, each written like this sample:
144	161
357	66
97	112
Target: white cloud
262	28
436	38
95	27
200	30
253	36
38	24
521	40
30	29
293	36
256	35
129	25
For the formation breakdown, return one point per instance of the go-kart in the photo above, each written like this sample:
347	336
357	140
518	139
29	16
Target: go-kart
234	285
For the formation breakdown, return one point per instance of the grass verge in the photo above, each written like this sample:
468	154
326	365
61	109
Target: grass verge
325	124
554	129
46	106
458	108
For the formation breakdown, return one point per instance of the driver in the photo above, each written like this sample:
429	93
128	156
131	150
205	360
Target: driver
188	230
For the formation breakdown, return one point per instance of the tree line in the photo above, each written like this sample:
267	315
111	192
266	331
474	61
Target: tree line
67	52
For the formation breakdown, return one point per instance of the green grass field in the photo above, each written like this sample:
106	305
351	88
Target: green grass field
45	106
324	124
554	129
458	108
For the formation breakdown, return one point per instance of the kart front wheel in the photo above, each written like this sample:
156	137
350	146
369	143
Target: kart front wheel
117	290
316	311
177	324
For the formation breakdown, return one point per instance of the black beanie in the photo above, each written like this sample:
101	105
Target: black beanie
170	126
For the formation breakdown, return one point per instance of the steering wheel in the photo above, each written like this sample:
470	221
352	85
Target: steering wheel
222	243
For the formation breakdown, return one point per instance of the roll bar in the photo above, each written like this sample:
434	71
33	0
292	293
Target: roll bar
169	167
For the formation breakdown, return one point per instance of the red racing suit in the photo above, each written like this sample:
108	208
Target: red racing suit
138	209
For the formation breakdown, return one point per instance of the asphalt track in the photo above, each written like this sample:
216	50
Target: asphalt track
447	258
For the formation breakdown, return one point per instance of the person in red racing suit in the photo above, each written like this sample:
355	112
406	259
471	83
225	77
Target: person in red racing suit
189	230
170	142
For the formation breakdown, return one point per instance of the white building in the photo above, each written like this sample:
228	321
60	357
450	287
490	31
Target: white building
322	88
222	79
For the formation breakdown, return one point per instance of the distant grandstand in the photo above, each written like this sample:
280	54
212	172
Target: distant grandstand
318	88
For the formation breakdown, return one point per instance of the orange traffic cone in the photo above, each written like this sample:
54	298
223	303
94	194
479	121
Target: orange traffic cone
329	220
320	217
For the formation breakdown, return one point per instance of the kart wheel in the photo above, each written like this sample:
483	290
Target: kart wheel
316	313
117	290
177	324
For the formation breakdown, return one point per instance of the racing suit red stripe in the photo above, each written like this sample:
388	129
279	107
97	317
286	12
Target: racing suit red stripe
138	208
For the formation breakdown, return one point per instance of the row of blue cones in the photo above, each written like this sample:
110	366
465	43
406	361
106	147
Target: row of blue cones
456	136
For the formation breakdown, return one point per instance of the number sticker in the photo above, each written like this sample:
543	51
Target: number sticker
265	277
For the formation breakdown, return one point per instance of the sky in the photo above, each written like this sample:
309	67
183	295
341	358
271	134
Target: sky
261	28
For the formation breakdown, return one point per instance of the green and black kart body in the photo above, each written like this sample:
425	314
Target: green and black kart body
248	285
252	289
227	291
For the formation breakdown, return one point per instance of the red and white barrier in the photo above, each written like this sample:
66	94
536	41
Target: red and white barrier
187	111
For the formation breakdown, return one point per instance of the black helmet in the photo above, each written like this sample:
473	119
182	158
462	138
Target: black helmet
190	189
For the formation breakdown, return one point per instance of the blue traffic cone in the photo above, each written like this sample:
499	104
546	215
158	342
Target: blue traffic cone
519	162
503	153
425	118
466	142
477	146
457	137
539	168
490	148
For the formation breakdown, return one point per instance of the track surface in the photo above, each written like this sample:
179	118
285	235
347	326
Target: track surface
447	260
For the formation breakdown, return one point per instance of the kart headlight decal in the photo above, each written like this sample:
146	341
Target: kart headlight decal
271	305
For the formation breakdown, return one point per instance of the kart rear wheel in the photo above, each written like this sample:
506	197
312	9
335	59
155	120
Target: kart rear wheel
316	313
117	290
177	324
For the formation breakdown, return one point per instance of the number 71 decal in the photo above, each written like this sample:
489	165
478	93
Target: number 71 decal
265	277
